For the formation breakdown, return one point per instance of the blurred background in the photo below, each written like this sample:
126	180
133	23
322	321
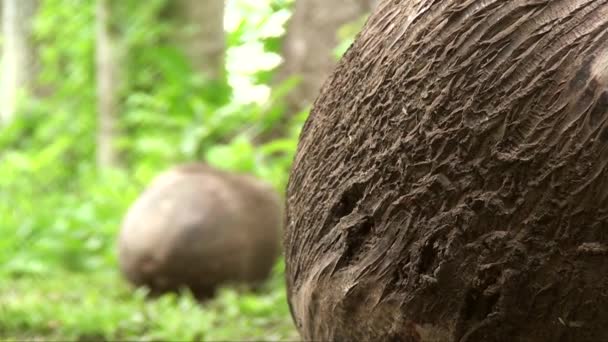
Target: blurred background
99	96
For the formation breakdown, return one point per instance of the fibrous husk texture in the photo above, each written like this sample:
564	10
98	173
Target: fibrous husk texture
197	227
451	183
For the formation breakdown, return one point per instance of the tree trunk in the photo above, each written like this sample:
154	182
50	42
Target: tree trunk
451	181
19	55
109	82
201	35
309	44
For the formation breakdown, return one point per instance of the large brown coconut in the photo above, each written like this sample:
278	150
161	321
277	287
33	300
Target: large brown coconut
198	227
451	183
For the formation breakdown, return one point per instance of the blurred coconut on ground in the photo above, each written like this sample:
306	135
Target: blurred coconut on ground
197	227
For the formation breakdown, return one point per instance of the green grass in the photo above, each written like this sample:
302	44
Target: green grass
101	306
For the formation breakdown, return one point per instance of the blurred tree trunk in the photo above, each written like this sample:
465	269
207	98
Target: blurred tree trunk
109	81
201	35
312	36
19	62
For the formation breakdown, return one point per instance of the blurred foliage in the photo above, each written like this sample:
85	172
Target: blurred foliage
59	214
58	208
66	307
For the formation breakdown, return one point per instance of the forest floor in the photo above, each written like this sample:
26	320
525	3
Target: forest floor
101	306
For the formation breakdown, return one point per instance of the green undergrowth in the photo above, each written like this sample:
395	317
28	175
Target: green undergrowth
100	306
